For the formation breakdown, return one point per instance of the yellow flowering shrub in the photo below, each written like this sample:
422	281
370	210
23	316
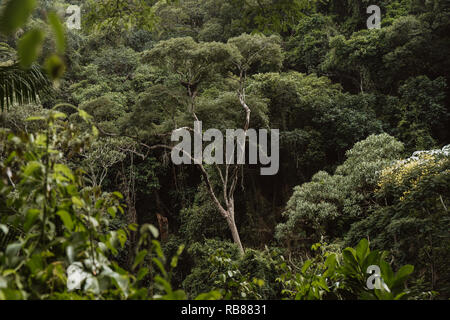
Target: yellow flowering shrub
405	176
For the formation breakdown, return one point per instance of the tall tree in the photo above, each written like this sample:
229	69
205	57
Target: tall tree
192	64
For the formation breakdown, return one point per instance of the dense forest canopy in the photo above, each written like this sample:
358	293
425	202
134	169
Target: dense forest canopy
93	207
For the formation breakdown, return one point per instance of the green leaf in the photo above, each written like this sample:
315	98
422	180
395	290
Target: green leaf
66	219
386	273
3	283
142	273
150	228
29	47
122	236
362	249
15	14
165	284
212	295
13	249
330	262
55	67
70	253
118	194
401	275
60	168
32	215
77	202
121	281
35	263
8	272
160	266
58	115
349	260
399	296
177	295
383	294
139	258
305	267
99	203
31	168
112	211
180	249
159	252
373	258
258	282
95	131
404	271
110	244
36	118
83	114
154	231
4	228
133	226
58	30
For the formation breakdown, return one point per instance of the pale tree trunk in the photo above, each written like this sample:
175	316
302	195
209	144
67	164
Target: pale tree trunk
227	213
234	231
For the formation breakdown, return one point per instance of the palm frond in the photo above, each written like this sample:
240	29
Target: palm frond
19	86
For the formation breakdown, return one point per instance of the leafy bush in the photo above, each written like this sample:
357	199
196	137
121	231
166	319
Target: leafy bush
333	274
58	225
411	217
329	204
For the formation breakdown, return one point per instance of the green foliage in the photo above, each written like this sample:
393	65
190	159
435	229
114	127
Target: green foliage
219	267
22	86
345	99
318	122
201	220
47	202
272	16
28	47
157	110
19	86
308	46
200	280
329	204
191	62
14	13
256	53
230	279
335	274
63	226
424	114
355	263
411	216
120	61
16	118
112	15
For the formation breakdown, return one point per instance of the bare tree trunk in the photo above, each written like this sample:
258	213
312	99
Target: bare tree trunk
234	231
163	227
161	215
